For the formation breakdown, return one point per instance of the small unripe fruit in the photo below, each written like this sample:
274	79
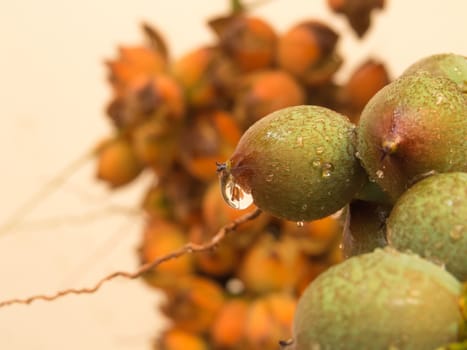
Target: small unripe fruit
297	163
379	300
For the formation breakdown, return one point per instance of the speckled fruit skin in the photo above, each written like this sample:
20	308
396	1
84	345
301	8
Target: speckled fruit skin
430	219
379	300
412	127
299	163
449	65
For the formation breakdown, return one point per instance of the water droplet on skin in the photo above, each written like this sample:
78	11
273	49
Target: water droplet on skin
269	177
357	154
456	233
232	193
300	223
300	141
316	163
327	169
380	174
319	150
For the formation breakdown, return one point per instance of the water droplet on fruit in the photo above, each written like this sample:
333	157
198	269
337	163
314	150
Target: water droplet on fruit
232	193
327	169
319	150
300	223
380	174
316	163
456	233
439	99
269	177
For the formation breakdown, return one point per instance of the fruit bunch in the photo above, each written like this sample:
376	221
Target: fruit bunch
300	161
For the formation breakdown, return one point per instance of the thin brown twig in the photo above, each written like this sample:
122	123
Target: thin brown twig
188	248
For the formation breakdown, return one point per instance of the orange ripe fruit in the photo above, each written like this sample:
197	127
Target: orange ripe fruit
193	303
264	92
177	339
209	137
268	265
315	237
117	163
134	63
270	320
365	81
228	329
159	97
218	262
249	41
307	51
162	237
204	75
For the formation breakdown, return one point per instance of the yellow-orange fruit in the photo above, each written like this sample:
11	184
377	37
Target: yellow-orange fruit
156	203
249	41
193	303
307	51
268	265
228	329
178	339
132	64
117	163
162	237
315	237
209	138
218	262
159	97
262	93
154	146
204	75
365	81
270	320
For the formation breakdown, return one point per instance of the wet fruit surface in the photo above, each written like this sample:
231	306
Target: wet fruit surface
380	300
412	127
298	163
430	219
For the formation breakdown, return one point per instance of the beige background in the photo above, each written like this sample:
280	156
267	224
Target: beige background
52	93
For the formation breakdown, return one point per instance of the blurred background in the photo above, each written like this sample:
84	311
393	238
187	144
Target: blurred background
53	93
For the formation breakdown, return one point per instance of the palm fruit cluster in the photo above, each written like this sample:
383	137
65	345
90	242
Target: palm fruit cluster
401	174
182	120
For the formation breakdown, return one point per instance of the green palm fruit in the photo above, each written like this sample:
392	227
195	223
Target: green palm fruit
413	127
430	219
380	300
449	65
297	163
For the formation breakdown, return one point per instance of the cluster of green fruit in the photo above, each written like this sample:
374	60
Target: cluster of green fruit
305	162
